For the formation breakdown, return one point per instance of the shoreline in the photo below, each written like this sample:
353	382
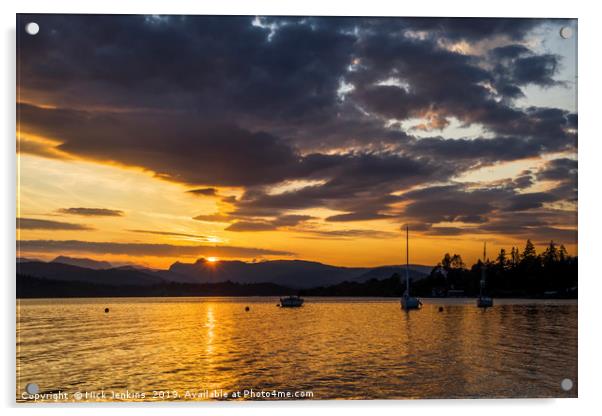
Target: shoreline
392	298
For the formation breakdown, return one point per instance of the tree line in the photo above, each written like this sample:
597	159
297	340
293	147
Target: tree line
552	273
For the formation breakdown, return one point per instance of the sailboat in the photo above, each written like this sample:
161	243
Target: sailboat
407	301
484	301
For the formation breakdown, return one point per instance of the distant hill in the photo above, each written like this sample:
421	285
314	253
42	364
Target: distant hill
83	262
66	272
291	273
416	272
296	274
25	260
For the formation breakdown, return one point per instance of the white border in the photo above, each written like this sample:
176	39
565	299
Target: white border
589	219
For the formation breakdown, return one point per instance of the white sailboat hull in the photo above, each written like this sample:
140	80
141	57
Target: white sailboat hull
409	302
484	302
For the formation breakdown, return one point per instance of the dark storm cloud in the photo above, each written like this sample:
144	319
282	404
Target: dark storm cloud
440	81
538	70
234	101
545	224
510	51
459	203
35	224
564	172
447	84
562	169
557	225
522	202
92	212
525	180
515	66
539	131
178	148
451	203
474	29
214	64
284	83
500	209
359	184
142	249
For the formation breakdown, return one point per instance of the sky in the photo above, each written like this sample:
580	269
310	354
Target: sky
154	139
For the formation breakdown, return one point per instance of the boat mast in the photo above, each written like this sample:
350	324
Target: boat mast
483	268
407	260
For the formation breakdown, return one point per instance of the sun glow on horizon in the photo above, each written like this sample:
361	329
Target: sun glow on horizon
212	259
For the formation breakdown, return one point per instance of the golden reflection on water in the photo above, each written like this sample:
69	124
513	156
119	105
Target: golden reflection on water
336	348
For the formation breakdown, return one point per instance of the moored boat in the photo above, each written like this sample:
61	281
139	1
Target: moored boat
484	301
409	302
291	302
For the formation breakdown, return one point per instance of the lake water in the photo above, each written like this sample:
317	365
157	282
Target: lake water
204	348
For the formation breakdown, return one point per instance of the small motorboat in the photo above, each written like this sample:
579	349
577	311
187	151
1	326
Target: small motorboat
291	302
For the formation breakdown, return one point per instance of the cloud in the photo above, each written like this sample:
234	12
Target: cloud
531	200
35	224
345	234
260	77
474	29
173	234
564	172
204	191
345	102
213	217
142	249
246	74
360	185
264	225
251	226
451	203
92	212
561	169
196	153
500	210
358	216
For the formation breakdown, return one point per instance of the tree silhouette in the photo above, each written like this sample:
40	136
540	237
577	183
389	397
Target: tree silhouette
529	253
553	273
501	259
563	255
514	257
551	254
